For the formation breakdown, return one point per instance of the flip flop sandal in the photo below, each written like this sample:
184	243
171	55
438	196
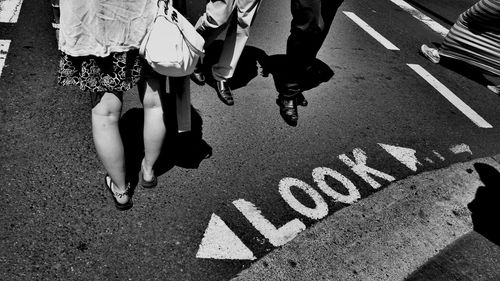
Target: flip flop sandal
120	206
147	184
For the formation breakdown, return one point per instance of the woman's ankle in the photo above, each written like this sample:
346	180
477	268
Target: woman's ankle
120	192
147	170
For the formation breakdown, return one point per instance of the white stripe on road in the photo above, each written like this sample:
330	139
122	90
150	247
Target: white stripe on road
9	10
4	48
381	39
450	96
421	17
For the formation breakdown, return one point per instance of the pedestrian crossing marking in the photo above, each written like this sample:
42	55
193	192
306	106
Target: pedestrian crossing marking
421	17
438	155
9	10
221	243
450	96
461	148
404	155
361	23
4	48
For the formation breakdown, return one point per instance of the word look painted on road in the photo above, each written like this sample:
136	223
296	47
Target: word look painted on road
220	242
9	13
4	48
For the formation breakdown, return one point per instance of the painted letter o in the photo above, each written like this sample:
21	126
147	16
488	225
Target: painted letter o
321	209
319	175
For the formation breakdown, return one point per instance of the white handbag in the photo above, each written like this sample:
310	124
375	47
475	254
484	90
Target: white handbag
172	46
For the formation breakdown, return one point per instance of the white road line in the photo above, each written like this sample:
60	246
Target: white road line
450	96
421	17
381	39
4	48
9	10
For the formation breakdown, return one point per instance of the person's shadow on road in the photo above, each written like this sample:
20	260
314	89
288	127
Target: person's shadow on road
186	149
246	70
485	208
254	62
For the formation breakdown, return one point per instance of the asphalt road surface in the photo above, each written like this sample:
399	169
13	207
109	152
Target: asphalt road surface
375	122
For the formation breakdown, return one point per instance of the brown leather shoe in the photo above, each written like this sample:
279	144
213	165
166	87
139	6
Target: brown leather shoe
288	110
224	92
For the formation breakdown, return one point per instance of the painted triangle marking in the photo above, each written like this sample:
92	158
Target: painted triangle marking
403	155
220	242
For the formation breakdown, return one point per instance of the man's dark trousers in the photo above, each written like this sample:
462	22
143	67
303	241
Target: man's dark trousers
311	21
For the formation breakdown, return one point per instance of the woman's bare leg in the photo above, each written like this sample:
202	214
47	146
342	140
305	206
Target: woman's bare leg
108	142
154	127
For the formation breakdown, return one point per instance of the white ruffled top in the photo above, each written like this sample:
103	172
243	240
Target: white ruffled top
99	27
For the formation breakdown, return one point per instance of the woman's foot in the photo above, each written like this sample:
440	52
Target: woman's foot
121	196
147	176
431	54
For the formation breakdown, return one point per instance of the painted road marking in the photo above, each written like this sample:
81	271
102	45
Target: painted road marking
319	175
403	155
428	160
438	155
381	39
4	48
359	167
321	207
276	236
451	97
461	148
220	242
9	10
421	17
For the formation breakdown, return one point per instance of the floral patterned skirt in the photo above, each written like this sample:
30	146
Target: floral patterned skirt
118	72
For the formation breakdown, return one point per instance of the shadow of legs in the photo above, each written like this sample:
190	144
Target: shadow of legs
185	150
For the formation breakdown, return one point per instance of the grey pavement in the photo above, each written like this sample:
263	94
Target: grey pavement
419	228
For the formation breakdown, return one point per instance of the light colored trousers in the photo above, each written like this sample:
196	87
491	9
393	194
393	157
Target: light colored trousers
213	22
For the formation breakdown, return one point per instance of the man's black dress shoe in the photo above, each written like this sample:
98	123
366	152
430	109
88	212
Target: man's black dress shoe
288	110
224	92
301	100
198	77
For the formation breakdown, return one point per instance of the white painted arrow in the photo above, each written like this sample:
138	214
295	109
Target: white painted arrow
403	155
9	10
220	242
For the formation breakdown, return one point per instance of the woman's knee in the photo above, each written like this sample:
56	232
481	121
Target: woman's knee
110	105
152	92
151	100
